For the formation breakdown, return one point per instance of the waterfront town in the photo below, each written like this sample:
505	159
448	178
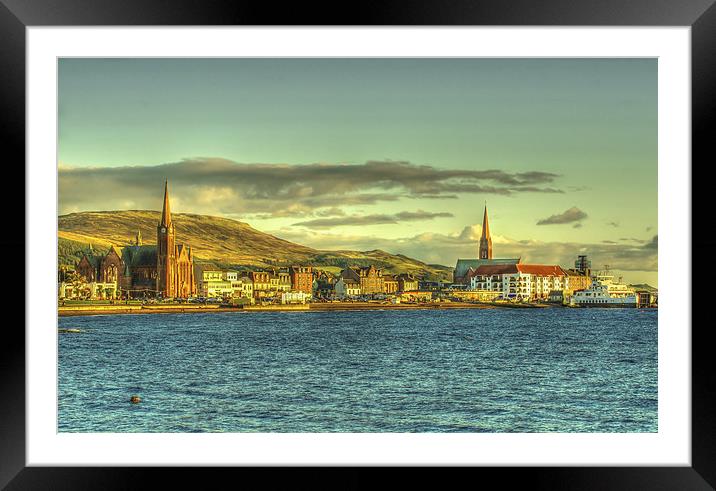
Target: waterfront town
166	273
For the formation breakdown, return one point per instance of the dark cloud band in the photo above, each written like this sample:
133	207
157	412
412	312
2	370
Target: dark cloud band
403	216
222	186
572	215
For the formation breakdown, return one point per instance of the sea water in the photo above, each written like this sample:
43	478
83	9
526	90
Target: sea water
464	370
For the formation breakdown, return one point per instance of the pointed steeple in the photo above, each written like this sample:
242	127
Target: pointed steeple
485	225
138	239
485	251
166	213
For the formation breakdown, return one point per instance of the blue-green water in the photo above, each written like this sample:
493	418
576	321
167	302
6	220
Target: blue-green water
501	370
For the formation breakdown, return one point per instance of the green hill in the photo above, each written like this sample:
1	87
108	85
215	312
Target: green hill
221	242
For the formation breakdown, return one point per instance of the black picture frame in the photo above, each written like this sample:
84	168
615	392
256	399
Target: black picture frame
16	15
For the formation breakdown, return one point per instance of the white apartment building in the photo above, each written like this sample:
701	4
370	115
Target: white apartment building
519	281
213	284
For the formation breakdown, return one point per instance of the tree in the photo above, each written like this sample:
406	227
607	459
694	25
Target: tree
79	285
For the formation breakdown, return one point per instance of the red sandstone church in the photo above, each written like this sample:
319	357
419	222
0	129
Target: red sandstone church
165	269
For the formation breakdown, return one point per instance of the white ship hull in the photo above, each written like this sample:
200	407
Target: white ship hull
604	293
631	304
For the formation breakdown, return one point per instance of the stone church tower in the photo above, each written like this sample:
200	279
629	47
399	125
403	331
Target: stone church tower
166	251
166	270
485	239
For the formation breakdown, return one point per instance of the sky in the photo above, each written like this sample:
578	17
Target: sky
382	153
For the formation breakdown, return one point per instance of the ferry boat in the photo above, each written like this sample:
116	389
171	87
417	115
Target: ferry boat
604	292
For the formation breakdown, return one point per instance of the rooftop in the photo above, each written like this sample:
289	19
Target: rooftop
464	264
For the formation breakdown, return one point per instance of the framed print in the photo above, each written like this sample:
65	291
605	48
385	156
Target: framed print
281	240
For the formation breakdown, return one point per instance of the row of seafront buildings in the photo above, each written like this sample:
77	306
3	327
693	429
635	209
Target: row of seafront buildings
294	284
290	285
518	281
299	284
363	281
167	270
487	278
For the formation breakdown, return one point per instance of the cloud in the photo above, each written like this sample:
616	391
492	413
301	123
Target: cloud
372	219
471	232
331	212
613	224
224	187
653	244
437	248
421	215
571	215
434	196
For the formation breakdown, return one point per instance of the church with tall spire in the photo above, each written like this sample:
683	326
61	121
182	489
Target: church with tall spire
485	251
175	264
164	270
464	267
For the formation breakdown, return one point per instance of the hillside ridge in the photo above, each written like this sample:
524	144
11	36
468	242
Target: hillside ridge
221	242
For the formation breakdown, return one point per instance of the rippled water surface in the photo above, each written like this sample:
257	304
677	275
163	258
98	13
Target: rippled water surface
498	370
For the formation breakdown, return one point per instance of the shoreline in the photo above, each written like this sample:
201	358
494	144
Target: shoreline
81	310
